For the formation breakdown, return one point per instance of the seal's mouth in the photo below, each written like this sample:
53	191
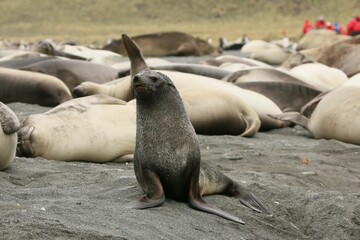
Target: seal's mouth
139	87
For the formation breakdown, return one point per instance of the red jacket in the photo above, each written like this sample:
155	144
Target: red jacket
320	24
353	25
307	27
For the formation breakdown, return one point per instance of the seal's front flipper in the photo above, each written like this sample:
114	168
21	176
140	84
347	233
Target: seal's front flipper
154	192
146	202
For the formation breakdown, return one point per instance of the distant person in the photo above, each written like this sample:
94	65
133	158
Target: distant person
353	27
339	29
307	27
329	26
320	23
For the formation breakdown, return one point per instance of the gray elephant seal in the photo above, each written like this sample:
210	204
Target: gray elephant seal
167	152
8	137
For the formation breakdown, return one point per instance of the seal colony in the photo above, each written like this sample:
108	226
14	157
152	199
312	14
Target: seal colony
167	152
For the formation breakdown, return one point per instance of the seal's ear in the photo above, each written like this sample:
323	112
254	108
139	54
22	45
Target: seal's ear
135	55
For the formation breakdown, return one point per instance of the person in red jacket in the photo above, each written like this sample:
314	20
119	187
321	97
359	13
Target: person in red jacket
320	23
329	26
353	27
307	27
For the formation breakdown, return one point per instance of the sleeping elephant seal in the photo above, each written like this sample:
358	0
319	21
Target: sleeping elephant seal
319	38
344	55
55	134
166	44
8	137
266	52
34	88
74	72
164	165
336	116
48	47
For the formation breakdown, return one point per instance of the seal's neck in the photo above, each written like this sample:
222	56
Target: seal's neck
166	111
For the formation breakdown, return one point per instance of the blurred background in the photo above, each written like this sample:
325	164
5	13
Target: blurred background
95	21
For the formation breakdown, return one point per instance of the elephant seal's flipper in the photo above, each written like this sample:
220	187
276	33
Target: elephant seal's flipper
293	117
8	119
252	126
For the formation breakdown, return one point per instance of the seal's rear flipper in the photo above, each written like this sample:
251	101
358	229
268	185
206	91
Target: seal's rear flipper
213	181
247	198
135	55
293	117
252	126
196	201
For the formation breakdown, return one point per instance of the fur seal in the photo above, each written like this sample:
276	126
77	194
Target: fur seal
167	152
8	137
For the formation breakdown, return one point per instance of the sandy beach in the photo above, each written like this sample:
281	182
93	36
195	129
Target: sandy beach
311	187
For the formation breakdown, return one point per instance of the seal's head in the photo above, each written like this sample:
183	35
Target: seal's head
148	84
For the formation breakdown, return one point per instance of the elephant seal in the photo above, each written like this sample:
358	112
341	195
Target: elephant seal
55	134
8	137
110	121
22	62
74	72
261	104
34	88
165	165
319	38
344	55
336	115
198	69
48	47
166	44
266	52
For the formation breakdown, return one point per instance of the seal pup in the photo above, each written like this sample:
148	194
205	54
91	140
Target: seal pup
167	152
8	137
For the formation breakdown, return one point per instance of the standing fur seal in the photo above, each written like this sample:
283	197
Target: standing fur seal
8	137
167	152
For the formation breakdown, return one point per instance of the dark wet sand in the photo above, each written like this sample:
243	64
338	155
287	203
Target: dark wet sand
312	188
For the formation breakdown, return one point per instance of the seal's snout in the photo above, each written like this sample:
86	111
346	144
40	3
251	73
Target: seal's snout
136	79
153	78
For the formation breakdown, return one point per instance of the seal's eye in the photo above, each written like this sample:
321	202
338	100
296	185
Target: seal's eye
153	78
